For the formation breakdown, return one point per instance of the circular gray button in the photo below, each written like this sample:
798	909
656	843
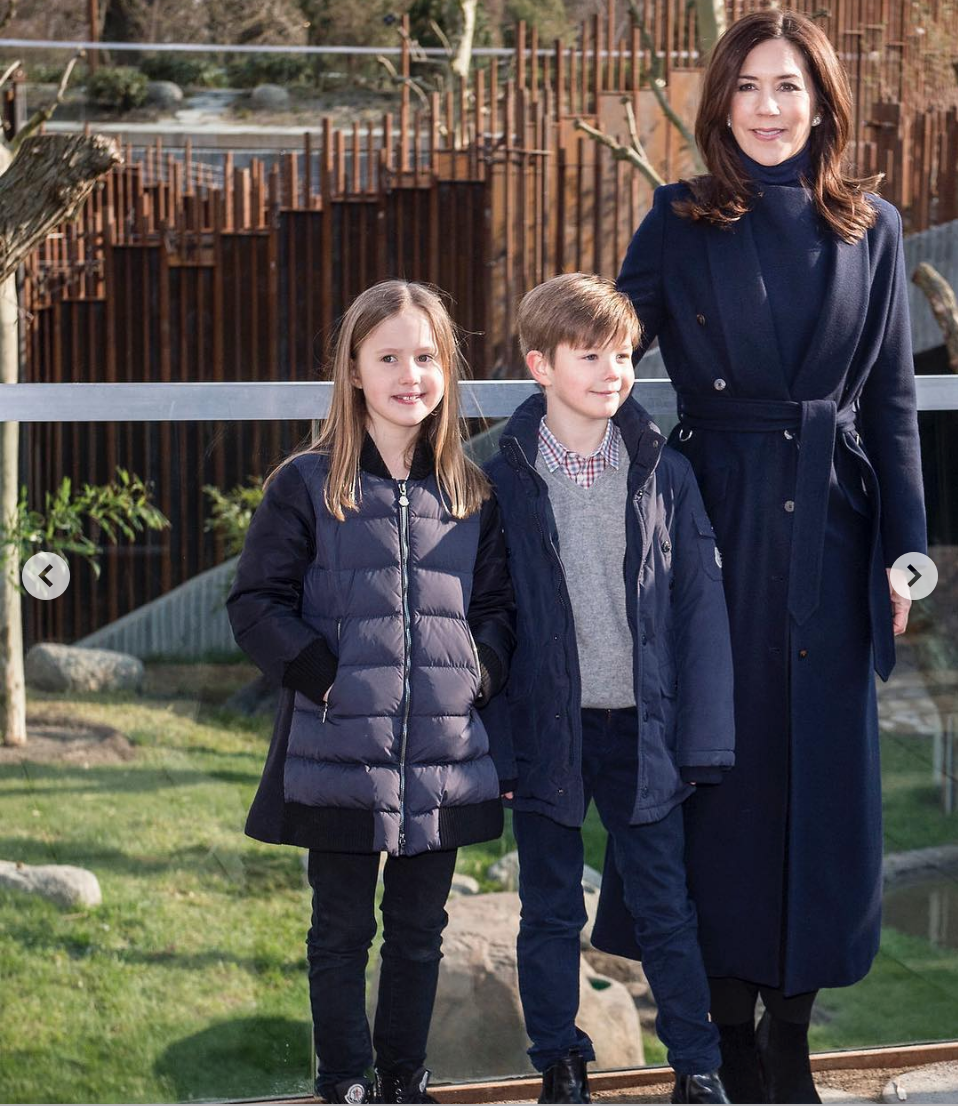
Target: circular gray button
46	575
914	576
719	384
789	505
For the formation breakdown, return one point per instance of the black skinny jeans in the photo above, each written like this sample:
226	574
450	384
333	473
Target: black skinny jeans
337	947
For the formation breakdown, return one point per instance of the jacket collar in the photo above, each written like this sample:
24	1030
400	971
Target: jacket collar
371	461
642	438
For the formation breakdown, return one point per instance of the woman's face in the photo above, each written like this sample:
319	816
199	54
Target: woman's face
773	103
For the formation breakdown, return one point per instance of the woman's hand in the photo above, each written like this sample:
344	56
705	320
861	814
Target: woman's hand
900	604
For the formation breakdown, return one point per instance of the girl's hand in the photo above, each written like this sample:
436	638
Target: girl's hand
900	605
507	795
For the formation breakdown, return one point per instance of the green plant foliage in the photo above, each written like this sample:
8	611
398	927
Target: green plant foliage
190	70
119	87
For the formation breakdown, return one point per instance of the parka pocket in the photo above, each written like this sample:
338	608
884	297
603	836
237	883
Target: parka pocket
708	549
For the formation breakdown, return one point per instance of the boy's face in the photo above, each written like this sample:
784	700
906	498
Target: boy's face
585	383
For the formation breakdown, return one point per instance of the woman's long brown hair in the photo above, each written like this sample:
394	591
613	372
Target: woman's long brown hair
724	195
463	484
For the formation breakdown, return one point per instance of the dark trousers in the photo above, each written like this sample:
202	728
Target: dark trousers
650	860
415	889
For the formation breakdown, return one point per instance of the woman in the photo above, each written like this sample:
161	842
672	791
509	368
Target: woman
776	287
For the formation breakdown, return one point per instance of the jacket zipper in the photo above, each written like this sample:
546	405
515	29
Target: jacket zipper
407	649
563	592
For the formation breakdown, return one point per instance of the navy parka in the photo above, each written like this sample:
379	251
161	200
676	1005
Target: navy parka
812	480
681	653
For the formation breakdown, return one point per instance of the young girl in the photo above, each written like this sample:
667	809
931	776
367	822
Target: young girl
373	587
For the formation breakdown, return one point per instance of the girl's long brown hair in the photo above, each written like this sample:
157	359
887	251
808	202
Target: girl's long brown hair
724	195
463	484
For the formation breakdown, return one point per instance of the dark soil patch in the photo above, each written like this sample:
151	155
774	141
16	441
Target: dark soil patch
52	740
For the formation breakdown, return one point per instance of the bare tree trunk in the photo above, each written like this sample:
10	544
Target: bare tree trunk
463	58
944	306
712	21
51	175
13	703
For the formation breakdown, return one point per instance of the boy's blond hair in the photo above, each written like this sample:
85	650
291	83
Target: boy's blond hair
582	310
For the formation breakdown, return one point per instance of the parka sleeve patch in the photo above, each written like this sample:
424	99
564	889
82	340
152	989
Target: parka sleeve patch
711	555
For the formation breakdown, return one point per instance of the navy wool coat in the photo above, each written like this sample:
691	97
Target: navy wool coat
813	484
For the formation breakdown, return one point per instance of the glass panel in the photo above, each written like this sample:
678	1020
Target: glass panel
189	982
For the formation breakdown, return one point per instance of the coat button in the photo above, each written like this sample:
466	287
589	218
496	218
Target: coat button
645	640
666	547
700	319
803	653
561	791
719	384
789	505
788	434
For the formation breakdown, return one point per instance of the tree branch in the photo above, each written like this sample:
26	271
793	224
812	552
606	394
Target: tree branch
944	306
10	70
45	183
8	15
42	115
658	85
635	157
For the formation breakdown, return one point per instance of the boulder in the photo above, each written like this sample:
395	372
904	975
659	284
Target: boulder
464	885
164	94
477	1027
269	97
52	667
61	883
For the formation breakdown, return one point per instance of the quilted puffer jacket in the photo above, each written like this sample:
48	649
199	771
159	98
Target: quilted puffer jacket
404	614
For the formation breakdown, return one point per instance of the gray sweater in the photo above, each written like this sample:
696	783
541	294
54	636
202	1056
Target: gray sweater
591	526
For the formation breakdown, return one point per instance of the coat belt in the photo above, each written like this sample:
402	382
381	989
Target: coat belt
817	421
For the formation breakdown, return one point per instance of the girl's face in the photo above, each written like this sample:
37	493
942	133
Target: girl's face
398	371
773	102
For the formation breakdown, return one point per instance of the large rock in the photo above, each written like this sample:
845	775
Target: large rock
269	97
164	94
61	883
50	667
477	1027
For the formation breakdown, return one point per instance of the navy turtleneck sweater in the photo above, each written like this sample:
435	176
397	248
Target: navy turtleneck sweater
794	251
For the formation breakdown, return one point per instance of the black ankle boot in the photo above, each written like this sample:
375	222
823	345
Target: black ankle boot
566	1080
741	1070
706	1087
783	1053
350	1090
394	1086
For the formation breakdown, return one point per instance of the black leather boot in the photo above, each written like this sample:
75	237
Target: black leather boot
566	1080
393	1086
783	1052
706	1087
351	1090
741	1070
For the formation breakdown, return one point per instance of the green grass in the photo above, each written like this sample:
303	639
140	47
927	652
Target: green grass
190	983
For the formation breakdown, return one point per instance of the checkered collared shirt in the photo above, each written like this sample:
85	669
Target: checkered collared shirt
583	471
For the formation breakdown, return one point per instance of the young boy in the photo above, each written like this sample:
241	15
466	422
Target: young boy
621	685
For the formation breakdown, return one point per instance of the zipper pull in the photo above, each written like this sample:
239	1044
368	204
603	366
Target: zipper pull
403	500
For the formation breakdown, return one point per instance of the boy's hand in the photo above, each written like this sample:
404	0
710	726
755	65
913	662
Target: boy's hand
900	606
506	795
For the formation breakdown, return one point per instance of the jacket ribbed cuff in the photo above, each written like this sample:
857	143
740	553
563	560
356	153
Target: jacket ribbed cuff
491	675
312	671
